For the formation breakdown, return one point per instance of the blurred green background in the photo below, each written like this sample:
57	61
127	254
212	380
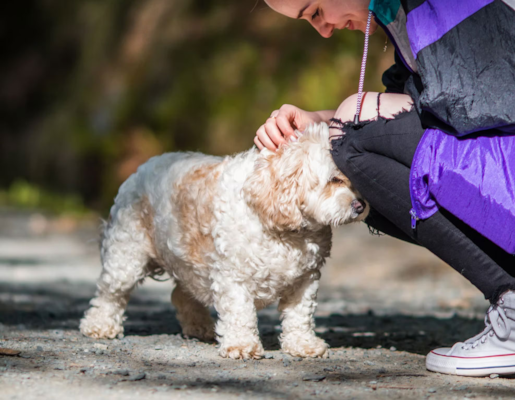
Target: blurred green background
90	89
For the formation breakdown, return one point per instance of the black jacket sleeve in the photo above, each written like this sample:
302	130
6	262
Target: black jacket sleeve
468	74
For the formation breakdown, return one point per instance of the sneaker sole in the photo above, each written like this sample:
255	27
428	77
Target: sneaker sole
471	366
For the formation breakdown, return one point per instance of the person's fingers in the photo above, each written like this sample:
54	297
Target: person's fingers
285	126
264	139
292	118
258	143
273	131
280	127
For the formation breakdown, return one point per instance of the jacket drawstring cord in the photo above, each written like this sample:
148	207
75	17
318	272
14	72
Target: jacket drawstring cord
363	66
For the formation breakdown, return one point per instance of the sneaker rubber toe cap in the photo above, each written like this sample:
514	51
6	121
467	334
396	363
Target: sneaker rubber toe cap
439	360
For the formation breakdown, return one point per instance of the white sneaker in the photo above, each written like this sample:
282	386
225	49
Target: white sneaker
490	352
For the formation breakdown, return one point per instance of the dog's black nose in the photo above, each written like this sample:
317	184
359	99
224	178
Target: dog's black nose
358	205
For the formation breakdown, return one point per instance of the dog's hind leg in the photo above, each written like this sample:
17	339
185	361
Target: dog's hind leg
125	252
193	316
297	307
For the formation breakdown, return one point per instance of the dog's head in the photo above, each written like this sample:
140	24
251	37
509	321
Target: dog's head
299	186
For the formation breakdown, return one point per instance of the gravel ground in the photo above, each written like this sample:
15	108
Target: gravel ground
383	305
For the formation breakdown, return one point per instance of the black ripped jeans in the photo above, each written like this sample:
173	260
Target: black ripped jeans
377	157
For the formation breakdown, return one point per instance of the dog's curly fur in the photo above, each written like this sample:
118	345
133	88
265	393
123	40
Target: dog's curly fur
238	233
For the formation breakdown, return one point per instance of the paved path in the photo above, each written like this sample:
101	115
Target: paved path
383	305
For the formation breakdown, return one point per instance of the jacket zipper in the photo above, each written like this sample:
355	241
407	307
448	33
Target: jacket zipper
413	213
414	218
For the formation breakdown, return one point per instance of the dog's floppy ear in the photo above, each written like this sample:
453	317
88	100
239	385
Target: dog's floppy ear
273	191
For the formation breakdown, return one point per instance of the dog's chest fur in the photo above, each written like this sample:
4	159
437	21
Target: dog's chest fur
198	225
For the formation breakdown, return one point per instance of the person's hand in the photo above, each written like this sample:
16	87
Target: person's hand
281	125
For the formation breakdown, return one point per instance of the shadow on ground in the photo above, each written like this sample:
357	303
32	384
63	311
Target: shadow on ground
61	305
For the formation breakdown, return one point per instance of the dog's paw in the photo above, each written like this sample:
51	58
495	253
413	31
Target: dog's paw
304	345
97	325
205	333
244	350
100	331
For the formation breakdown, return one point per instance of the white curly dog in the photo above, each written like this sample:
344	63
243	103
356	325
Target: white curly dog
237	232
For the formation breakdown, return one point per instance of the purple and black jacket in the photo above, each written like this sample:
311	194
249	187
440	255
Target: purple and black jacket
456	59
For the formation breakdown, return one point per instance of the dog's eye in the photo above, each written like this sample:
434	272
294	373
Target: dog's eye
336	180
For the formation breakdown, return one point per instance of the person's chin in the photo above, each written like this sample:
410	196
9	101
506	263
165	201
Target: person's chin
373	27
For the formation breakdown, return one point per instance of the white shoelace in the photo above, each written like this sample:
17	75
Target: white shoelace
496	323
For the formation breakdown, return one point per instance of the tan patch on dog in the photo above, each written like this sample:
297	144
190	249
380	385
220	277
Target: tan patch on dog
338	182
193	196
276	199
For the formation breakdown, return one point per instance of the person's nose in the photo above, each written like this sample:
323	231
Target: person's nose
324	29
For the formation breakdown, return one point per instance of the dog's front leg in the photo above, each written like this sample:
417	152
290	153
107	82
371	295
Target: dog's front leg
236	328
297	307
